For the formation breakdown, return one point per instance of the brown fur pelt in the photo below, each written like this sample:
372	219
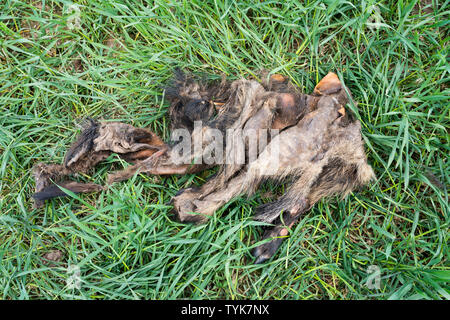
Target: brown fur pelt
321	151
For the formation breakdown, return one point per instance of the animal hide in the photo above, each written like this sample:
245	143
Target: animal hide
319	149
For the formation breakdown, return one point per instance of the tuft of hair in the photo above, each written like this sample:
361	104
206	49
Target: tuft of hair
192	100
84	142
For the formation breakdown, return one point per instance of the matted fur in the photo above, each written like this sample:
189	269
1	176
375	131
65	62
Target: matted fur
321	148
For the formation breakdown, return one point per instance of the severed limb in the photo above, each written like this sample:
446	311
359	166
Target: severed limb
198	204
279	232
157	164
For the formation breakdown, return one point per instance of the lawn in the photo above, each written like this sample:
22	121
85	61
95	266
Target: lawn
110	60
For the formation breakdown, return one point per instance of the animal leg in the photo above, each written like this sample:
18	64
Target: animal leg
279	232
336	177
156	164
196	205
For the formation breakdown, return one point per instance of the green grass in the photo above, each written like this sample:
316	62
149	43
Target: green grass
123	239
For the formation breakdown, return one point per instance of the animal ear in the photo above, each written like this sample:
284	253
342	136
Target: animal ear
328	85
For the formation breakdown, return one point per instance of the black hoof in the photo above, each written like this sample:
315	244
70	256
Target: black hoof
180	191
266	251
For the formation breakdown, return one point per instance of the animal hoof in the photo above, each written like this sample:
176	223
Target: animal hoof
185	208
328	85
265	251
190	217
